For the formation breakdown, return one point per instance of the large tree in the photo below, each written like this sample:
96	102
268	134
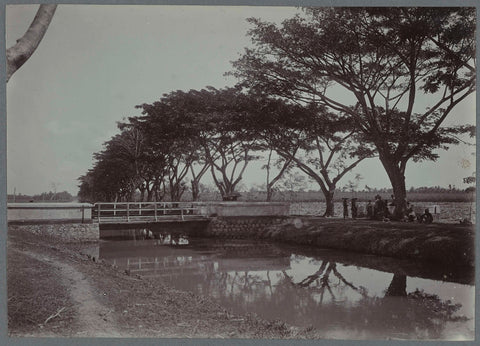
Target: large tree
19	53
126	164
109	180
168	142
323	145
206	127
373	64
150	164
227	144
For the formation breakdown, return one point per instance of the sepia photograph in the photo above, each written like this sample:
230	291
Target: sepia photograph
240	172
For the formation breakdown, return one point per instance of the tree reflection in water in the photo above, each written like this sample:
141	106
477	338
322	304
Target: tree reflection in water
323	281
339	300
396	314
398	286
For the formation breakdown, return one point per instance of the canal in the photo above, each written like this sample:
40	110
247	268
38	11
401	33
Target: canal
343	295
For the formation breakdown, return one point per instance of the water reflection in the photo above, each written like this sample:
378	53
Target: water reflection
339	299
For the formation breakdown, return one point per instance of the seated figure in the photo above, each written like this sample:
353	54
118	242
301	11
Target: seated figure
426	217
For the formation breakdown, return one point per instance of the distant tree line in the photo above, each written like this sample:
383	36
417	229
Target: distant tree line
50	196
299	193
285	107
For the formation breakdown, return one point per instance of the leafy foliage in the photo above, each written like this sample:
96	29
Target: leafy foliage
381	60
323	145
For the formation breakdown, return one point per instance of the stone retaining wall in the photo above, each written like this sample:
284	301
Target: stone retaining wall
70	232
447	244
243	227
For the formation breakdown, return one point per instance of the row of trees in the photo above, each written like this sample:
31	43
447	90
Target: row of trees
323	91
187	134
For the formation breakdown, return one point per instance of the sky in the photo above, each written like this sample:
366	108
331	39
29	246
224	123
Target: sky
97	62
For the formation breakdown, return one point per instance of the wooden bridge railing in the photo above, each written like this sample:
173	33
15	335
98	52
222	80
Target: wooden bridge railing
146	211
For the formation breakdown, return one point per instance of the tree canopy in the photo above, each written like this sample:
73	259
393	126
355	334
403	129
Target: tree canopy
323	91
373	64
323	145
186	134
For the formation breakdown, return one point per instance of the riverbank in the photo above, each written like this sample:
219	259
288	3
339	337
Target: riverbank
56	290
444	244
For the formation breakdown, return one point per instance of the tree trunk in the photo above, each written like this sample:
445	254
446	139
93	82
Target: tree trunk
229	192
149	195
398	286
18	54
330	211
397	179
176	191
173	195
157	195
157	185
269	192
142	193
195	190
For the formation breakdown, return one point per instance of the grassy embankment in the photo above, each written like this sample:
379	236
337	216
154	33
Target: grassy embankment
445	244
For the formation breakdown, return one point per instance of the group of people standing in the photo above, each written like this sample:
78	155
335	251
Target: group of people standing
379	210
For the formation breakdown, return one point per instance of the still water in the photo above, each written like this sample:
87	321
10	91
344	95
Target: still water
343	295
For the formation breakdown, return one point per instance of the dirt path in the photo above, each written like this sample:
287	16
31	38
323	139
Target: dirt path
46	275
93	318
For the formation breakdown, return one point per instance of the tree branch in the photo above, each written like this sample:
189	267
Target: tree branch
18	54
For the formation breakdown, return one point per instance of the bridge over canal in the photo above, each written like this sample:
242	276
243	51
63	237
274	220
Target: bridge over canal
127	219
115	219
147	212
133	219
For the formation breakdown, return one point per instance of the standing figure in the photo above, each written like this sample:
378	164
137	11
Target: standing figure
370	210
378	208
386	211
354	208
345	207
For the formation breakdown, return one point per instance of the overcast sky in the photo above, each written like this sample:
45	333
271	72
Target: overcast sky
96	63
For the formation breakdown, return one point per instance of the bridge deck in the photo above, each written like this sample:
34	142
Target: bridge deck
145	212
151	219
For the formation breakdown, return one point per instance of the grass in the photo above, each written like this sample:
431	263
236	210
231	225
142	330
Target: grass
34	305
446	244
